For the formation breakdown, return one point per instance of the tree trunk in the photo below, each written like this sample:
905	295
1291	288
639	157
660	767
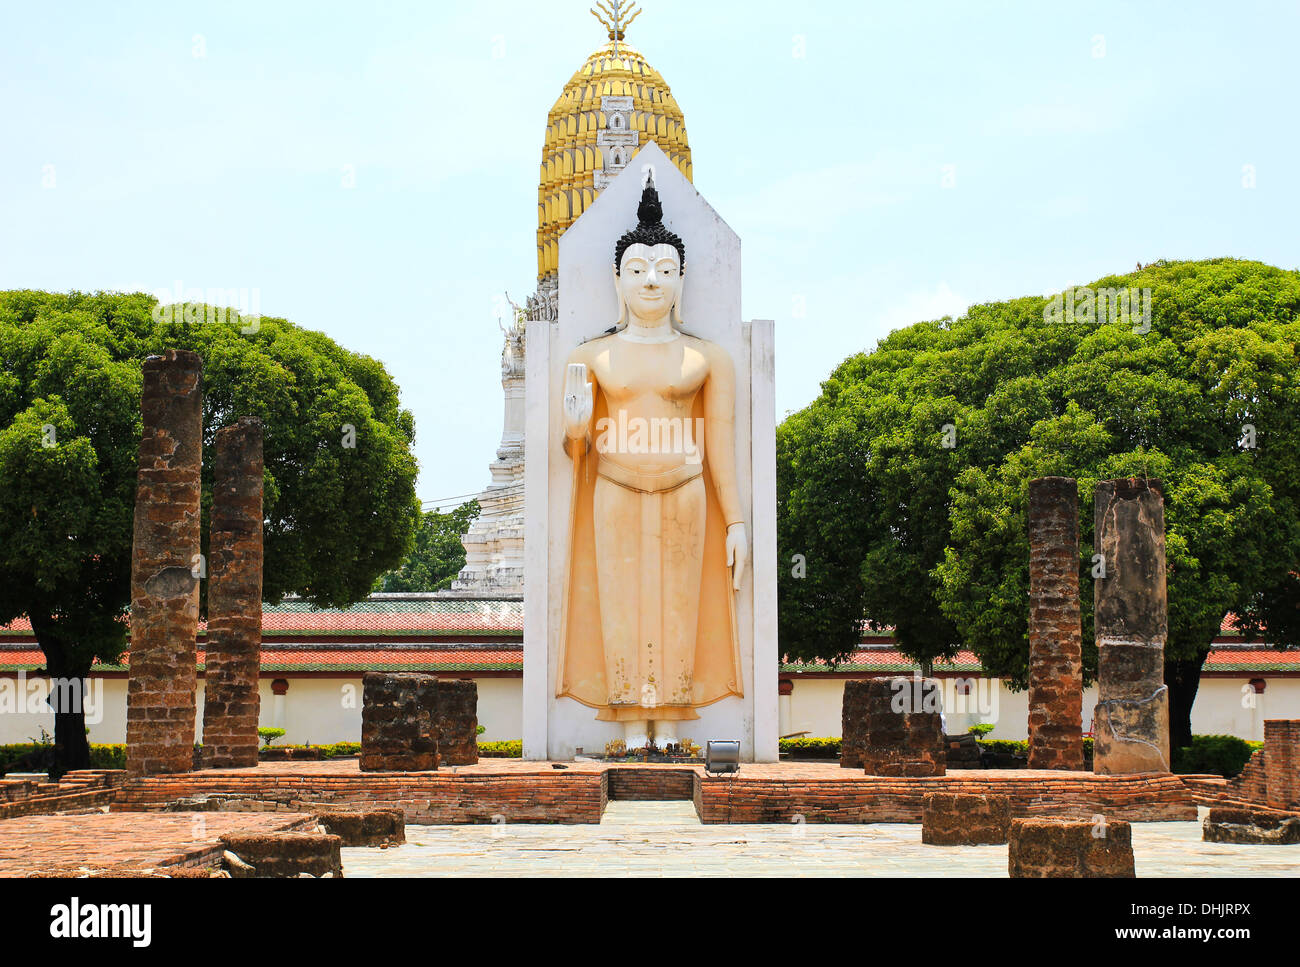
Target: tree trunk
67	698
1183	679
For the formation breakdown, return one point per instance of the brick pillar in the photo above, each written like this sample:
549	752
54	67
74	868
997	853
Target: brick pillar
164	559
1282	763
230	700
1055	638
457	723
1131	618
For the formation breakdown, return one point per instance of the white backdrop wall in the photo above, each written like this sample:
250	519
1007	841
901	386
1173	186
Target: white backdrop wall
314	709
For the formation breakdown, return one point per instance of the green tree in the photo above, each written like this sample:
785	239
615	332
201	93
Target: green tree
1204	400
340	504
438	555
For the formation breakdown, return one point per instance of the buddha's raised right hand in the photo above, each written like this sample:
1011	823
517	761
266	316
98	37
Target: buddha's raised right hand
577	401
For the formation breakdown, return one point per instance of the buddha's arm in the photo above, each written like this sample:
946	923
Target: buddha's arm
720	433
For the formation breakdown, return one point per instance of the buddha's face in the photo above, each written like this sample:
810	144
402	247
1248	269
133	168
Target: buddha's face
650	280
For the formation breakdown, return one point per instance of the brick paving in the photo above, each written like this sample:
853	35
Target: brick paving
133	840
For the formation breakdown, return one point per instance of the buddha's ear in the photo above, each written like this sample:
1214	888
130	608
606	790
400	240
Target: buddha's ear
677	306
622	303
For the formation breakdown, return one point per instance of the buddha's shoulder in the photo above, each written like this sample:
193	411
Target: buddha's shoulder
590	348
710	350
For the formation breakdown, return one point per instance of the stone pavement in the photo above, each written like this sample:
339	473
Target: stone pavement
666	839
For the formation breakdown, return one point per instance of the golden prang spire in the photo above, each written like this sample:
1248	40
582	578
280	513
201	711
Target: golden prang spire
609	110
618	20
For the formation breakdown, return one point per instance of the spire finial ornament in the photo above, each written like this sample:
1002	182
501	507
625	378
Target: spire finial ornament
616	17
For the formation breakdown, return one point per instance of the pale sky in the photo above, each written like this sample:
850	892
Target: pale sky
882	163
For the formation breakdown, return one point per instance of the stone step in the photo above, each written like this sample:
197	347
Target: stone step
650	812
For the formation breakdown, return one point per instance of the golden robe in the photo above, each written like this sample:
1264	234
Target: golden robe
685	668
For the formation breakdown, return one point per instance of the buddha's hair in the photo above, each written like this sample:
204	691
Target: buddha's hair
649	229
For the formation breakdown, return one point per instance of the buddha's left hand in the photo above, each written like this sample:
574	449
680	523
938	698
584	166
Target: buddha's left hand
737	552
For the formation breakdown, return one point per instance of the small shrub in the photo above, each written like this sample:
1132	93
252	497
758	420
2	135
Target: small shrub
270	735
101	756
1220	755
981	729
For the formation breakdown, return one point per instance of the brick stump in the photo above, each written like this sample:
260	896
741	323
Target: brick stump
231	704
954	819
1131	612
397	722
962	752
853	724
160	706
902	729
1235	824
279	855
1055	635
366	827
1069	848
456	723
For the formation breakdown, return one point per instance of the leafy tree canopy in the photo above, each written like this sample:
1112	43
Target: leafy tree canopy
905	484
340	505
438	555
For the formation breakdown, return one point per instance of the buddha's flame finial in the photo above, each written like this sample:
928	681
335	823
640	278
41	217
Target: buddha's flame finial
617	16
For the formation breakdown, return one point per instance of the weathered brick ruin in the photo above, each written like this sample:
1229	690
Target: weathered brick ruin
1055	636
1282	763
853	718
1243	824
282	854
1041	848
160	708
234	642
456	723
901	728
954	819
365	827
413	723
1131	611
397	722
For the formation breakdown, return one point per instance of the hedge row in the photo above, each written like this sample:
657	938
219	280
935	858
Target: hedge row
1224	755
101	756
810	748
512	749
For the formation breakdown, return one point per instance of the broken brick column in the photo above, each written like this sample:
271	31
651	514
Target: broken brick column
1131	619
1282	763
165	567
456	721
234	642
1055	636
902	731
398	722
853	724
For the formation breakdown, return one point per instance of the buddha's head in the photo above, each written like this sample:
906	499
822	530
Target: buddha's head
648	265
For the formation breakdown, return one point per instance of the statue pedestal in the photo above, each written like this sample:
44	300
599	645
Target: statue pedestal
555	727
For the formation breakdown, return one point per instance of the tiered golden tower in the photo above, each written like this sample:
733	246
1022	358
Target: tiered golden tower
609	109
